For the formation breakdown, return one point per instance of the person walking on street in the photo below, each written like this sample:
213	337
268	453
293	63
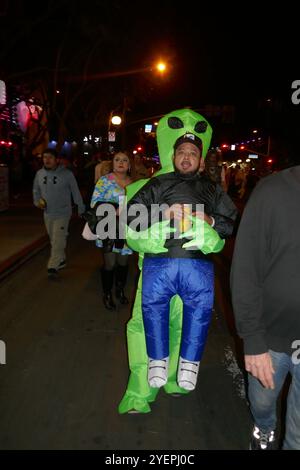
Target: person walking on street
265	284
110	188
54	187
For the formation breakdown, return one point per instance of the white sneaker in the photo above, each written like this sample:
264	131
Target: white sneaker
187	374
158	372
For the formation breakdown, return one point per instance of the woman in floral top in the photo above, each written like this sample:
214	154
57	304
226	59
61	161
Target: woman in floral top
109	189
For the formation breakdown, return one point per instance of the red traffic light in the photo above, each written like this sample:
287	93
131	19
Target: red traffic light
139	149
270	160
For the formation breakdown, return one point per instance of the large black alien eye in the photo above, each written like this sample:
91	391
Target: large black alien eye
175	123
200	127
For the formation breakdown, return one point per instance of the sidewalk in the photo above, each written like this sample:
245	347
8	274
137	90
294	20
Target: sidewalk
22	233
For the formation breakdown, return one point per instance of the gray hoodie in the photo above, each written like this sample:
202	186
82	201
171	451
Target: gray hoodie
56	187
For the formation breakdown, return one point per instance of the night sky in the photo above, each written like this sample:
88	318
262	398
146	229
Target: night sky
232	58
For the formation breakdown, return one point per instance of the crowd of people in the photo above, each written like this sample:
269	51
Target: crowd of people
182	215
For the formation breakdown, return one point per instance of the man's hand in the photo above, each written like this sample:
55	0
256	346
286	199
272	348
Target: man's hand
176	211
203	216
42	204
261	367
179	211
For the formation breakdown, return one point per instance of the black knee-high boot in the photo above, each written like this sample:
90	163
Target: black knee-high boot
107	284
121	277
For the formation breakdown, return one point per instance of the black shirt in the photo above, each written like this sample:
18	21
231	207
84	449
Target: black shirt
173	188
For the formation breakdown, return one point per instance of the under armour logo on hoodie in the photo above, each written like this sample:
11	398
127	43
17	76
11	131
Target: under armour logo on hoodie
54	180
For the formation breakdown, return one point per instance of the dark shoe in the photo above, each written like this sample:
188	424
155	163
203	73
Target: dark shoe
107	277
52	273
109	301
262	440
121	296
62	264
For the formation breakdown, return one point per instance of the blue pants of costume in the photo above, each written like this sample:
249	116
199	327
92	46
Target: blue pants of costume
193	281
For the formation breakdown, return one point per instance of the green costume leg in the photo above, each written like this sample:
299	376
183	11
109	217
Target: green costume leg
139	394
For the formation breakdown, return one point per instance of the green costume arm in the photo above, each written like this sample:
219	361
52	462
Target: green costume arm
204	237
151	240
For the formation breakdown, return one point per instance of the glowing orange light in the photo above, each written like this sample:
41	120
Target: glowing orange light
161	67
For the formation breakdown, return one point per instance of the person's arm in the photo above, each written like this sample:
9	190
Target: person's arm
77	198
100	195
100	191
247	273
36	191
225	213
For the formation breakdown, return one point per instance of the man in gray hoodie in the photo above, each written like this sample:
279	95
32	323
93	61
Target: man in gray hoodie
54	187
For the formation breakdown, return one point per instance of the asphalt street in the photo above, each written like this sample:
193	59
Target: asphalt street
66	367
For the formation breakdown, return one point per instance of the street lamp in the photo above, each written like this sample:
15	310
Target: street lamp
161	67
116	120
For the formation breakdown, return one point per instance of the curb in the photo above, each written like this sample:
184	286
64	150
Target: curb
15	261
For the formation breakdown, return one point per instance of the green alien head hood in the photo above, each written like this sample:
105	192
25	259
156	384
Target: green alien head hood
175	125
172	126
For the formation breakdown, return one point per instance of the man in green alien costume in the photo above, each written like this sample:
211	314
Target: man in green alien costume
173	130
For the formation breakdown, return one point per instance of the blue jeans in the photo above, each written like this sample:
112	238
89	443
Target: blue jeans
263	401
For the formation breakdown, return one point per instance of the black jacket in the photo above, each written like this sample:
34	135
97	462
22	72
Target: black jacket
173	188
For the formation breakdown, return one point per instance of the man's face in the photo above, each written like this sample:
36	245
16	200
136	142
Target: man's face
187	158
49	160
212	160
